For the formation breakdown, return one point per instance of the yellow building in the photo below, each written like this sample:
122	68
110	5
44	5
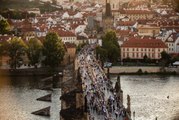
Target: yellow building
148	30
136	14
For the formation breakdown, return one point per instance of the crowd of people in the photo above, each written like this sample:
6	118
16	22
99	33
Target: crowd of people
102	100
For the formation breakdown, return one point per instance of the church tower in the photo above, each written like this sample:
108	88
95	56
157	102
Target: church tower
108	9
107	17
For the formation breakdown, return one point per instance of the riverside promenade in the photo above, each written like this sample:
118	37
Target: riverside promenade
103	101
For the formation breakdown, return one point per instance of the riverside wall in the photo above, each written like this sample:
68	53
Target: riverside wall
135	69
29	71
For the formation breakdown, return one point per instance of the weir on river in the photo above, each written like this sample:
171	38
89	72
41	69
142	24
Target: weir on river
103	100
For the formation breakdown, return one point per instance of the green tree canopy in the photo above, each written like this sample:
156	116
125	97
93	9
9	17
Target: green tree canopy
165	58
113	52
110	37
4	26
111	46
53	50
165	55
15	49
34	50
101	53
146	59
80	46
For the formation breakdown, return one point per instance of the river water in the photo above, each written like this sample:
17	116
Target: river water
149	96
18	99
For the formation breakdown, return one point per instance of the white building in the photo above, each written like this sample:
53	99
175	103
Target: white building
173	43
80	28
137	48
67	36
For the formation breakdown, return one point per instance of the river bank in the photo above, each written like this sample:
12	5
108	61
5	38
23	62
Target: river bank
29	71
135	70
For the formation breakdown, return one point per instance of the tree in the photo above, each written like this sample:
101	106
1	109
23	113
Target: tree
113	52
15	49
165	55
53	50
165	58
80	46
101	53
34	50
110	36
110	44
145	58
4	26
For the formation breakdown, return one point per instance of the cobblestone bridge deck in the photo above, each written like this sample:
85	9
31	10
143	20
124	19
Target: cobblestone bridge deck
103	100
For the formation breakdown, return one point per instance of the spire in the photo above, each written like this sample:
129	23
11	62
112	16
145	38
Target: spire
108	9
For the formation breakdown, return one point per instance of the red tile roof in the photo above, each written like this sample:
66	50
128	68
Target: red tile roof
86	14
136	12
70	45
174	37
63	33
125	33
126	23
144	43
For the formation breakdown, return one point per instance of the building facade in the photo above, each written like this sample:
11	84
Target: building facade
136	14
137	48
148	30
